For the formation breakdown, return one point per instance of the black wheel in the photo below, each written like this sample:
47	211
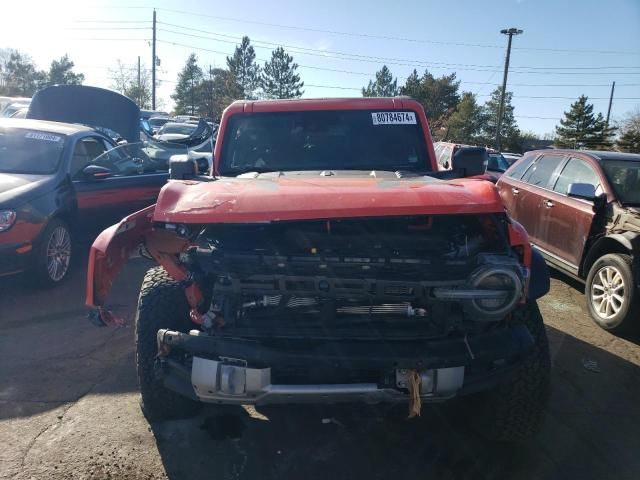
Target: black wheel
612	297
514	410
53	257
162	304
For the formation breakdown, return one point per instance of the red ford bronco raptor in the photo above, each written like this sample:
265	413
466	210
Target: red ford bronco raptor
327	260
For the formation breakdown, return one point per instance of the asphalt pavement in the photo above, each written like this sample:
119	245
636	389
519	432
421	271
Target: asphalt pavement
69	409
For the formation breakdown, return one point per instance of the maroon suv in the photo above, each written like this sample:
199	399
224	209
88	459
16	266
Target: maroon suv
582	211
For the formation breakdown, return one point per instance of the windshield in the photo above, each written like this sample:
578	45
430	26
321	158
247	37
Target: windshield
29	151
497	163
624	177
177	128
319	140
157	122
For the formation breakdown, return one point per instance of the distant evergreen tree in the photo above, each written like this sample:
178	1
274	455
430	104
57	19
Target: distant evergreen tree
279	78
244	69
580	128
509	131
61	73
465	123
188	89
629	140
383	86
438	96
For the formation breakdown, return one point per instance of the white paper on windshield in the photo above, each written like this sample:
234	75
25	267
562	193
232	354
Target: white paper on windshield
393	118
43	136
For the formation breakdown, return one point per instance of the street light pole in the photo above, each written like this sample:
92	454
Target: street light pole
510	32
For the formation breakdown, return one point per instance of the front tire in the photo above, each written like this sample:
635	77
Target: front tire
514	411
612	297
53	258
162	304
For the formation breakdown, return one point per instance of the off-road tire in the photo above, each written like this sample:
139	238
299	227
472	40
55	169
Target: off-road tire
627	318
43	278
514	411
162	304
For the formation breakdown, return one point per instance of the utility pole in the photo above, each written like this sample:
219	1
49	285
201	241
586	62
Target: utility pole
510	32
613	86
139	90
153	64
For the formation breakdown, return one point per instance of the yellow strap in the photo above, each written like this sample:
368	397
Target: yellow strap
415	402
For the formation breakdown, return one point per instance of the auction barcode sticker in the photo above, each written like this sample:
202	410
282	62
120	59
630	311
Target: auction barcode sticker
393	118
43	136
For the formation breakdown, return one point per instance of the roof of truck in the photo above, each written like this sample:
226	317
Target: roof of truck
359	103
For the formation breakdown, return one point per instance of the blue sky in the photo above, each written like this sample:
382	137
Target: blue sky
568	47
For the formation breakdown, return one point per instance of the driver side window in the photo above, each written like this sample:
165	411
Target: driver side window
86	150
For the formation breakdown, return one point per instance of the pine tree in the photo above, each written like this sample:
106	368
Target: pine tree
438	96
465	123
244	68
21	77
580	128
188	89
217	91
61	73
509	132
279	78
383	86
629	140
412	86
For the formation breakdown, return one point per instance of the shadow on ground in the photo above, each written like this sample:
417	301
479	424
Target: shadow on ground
591	432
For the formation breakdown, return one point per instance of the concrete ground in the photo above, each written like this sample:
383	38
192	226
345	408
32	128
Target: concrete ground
69	409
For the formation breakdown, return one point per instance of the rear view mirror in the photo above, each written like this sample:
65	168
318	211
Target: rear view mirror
96	172
473	160
584	191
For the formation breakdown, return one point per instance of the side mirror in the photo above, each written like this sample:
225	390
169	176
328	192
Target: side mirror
584	191
96	172
181	167
473	160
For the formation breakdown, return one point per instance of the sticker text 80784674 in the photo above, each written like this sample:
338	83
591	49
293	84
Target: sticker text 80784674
393	118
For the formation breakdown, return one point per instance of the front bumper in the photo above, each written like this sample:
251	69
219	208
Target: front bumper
12	261
236	371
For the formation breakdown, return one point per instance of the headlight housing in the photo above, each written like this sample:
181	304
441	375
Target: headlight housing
496	279
7	219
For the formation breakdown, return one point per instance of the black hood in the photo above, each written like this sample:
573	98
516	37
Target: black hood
17	189
91	106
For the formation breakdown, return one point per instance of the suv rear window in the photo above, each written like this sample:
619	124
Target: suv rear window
319	140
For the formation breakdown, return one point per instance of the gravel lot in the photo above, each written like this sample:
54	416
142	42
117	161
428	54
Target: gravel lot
69	409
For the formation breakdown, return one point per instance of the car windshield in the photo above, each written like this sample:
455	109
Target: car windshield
624	177
319	140
497	163
29	151
178	128
157	122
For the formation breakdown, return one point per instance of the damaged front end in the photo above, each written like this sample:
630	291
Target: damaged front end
333	310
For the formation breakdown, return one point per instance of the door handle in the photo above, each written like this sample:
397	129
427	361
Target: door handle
548	203
515	190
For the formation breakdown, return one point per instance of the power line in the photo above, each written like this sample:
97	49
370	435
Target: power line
383	37
365	58
368	74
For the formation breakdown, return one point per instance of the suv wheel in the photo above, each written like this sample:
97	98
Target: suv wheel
162	304
53	258
611	293
514	410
